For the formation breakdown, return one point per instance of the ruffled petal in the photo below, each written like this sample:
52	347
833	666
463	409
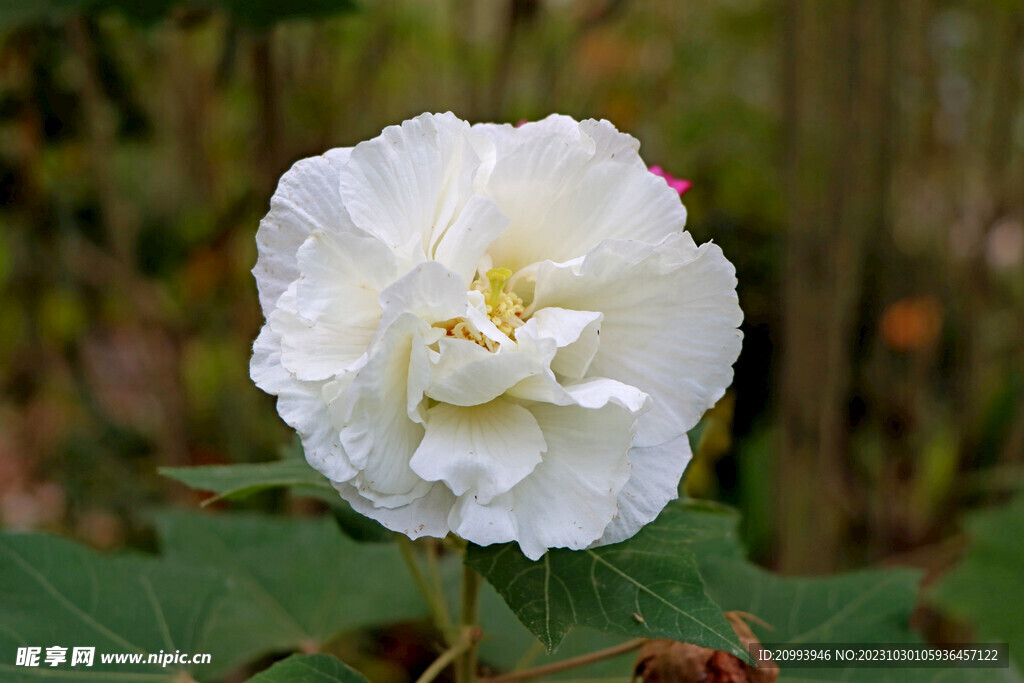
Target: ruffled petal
377	434
265	367
342	275
314	351
307	199
302	406
425	516
524	184
566	186
465	242
406	185
467	374
430	291
569	499
653	482
576	335
480	451
670	323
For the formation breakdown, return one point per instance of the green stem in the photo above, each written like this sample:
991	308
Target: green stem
433	594
465	641
444	620
465	667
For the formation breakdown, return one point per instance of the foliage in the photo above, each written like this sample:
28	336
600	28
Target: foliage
986	587
136	158
227	585
230	585
648	587
239	481
56	593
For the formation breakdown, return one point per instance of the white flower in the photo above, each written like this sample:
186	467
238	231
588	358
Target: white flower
501	332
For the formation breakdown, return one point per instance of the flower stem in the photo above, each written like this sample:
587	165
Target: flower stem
431	593
465	667
444	620
467	640
571	663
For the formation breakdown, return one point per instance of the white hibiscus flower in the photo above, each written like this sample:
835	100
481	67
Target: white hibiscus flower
500	332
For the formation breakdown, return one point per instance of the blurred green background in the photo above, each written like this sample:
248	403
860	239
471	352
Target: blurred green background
861	162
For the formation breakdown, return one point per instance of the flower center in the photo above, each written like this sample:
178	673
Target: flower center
504	310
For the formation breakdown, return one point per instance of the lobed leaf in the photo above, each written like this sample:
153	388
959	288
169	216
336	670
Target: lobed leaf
301	582
647	587
239	481
987	587
233	586
56	593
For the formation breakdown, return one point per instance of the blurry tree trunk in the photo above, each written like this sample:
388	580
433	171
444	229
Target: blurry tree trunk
836	74
269	124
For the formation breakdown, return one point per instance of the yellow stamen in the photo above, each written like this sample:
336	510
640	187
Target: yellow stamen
497	277
504	309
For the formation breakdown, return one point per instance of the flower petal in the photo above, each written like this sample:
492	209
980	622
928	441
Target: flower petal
302	407
653	482
669	328
425	516
314	351
410	181
567	186
265	367
306	199
341	276
465	242
467	374
481	451
576	334
569	499
377	433
429	291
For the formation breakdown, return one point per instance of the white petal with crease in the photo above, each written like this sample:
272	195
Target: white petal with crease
669	329
467	374
425	516
314	351
410	180
377	434
342	275
306	199
653	482
576	334
570	497
481	451
430	291
465	242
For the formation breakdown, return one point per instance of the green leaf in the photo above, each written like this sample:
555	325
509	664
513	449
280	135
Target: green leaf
56	593
300	582
239	481
868	607
506	644
233	586
233	482
316	668
987	587
860	607
648	586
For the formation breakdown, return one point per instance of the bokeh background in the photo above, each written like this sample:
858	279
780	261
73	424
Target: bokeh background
860	161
